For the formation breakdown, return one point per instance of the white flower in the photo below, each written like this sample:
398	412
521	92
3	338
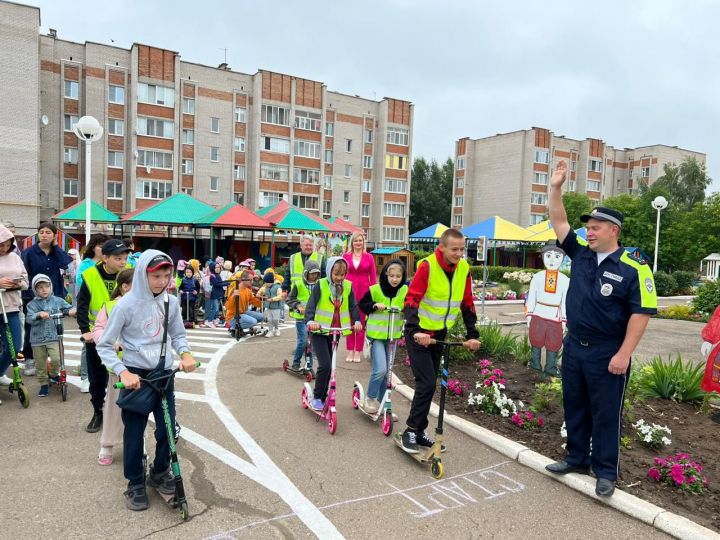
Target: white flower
666	441
521	404
563	432
505	413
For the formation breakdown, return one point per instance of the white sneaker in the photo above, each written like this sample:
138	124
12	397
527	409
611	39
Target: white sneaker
5	380
29	372
277	333
269	334
85	386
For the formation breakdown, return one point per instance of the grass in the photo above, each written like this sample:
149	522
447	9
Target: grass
675	380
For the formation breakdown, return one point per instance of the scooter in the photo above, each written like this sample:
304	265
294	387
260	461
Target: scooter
385	408
328	412
17	383
160	385
62	372
258	330
433	454
304	371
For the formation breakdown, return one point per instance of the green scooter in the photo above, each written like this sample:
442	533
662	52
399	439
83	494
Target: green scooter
17	383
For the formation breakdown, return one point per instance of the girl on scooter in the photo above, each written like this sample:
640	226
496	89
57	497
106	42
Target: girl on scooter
13	278
331	305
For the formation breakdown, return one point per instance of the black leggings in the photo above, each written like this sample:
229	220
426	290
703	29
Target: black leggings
322	348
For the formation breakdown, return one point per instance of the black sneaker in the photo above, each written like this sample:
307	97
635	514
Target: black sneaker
427	442
95	424
409	442
164	482
136	498
55	379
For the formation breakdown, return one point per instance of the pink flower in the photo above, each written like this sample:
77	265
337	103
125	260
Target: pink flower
484	371
502	381
660	461
654	474
540	421
529	415
498	372
492	378
487	382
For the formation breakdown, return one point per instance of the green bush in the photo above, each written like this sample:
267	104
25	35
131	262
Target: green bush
683	281
458	333
673	380
548	395
664	284
708	298
496	343
681	313
633	393
495	273
523	350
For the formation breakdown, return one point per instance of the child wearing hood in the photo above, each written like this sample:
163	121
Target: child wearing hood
331	305
189	290
390	292
13	279
137	324
44	339
240	298
272	294
297	301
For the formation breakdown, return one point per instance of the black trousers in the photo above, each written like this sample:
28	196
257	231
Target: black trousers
98	377
425	363
322	348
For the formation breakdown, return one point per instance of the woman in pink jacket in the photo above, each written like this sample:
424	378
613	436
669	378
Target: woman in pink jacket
13	279
361	273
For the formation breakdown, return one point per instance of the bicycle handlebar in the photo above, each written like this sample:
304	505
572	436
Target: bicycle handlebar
120	386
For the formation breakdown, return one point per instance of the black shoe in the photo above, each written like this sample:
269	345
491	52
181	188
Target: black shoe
409	442
95	424
563	467
164	482
604	487
136	498
427	442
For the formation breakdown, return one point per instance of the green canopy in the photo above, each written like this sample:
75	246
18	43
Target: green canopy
180	209
289	218
98	213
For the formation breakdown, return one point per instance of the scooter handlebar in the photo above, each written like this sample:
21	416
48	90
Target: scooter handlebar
447	343
120	386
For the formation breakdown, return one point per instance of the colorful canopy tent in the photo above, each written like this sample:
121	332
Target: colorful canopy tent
429	234
232	216
286	217
543	235
540	227
340	225
98	213
496	228
64	241
179	209
581	232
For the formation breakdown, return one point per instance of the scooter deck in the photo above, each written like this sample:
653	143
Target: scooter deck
423	456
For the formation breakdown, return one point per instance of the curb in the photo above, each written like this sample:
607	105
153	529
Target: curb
635	507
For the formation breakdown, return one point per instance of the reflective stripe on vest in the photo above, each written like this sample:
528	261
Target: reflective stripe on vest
99	293
303	294
325	308
440	306
378	322
297	266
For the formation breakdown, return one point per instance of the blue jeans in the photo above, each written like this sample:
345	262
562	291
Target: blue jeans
301	337
379	354
248	319
211	309
16	332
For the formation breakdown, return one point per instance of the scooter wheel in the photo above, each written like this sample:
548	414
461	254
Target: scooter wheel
355	398
332	423
437	469
387	424
309	376
303	398
285	365
63	391
23	396
184	513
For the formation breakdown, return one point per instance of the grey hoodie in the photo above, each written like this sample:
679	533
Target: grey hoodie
293	302
44	330
336	291
137	323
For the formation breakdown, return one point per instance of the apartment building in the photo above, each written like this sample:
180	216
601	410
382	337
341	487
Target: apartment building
508	174
214	133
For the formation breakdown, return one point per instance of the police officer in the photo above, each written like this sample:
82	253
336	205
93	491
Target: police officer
609	304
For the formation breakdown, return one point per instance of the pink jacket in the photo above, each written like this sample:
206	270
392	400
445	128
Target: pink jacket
100	324
11	266
363	276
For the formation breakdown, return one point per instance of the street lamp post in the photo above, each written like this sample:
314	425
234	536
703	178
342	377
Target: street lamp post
659	203
88	129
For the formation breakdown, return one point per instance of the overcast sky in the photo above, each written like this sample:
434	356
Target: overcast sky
631	73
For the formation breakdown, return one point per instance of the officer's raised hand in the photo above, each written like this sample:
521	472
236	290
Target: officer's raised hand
559	174
619	363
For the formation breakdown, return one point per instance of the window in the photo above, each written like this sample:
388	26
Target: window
268	198
397	136
365	210
274	172
239	144
396	162
187	190
306	176
159	160
460	164
214	181
188	136
70	187
116	127
307	149
71	89
215	153
368	135
540	178
115	190
367	162
70	121
542	156
536	218
239	198
116	159
458	219
329	129
395	186
273	114
71	155
153	189
394	209
214	124
366	186
329	156
116	94
645	172
538	198
571	185
239	172
573	166
348	145
187	166
305	202
307	120
188	106
394	234
460	183
346	196
593	185
459	200
595	165
348	171
327	208
156	95
273	144
327	182
240	114
154	127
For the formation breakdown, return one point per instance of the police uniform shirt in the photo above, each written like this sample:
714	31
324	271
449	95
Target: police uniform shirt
602	297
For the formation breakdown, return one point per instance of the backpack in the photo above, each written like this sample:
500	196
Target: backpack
206	285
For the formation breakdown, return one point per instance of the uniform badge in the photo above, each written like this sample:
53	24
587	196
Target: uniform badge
612	276
606	289
649	285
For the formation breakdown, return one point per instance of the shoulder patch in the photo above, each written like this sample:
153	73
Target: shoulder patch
649	285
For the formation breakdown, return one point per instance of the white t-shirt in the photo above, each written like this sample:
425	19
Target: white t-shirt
602	256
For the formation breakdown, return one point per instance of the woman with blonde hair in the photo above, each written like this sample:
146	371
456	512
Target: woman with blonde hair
361	273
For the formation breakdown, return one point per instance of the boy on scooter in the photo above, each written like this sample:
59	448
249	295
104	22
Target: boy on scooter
440	291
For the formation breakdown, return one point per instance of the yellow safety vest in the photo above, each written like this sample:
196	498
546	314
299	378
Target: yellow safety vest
378	322
100	291
297	266
325	308
303	294
441	304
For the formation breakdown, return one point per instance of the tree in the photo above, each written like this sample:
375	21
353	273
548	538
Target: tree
430	193
685	184
576	204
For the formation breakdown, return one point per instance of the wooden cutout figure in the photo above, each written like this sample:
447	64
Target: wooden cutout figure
545	309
